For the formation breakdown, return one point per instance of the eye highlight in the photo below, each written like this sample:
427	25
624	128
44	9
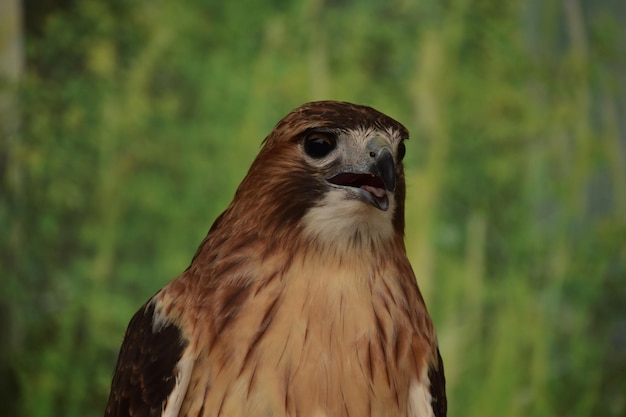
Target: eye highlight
317	145
401	151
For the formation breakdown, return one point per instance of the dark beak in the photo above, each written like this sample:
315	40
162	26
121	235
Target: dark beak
386	168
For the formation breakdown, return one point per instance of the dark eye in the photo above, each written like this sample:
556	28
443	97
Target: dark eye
401	151
318	145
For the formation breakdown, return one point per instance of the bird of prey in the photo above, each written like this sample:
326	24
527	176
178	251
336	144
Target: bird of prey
301	300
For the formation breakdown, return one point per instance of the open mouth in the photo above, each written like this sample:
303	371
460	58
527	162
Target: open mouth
370	187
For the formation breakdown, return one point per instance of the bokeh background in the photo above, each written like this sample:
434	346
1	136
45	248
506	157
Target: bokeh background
127	125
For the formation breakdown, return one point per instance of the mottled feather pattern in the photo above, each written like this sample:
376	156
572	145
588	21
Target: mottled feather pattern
280	321
145	374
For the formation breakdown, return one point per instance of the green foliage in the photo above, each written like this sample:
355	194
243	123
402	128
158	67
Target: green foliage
139	119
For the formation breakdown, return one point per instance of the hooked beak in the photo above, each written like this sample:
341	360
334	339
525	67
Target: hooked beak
374	181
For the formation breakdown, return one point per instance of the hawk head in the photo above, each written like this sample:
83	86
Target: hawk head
328	172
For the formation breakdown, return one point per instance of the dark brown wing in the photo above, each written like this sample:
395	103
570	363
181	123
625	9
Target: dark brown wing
144	375
438	388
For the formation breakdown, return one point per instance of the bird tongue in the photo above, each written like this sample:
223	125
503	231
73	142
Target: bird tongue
378	192
371	183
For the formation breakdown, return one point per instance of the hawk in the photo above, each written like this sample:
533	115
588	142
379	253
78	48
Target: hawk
301	300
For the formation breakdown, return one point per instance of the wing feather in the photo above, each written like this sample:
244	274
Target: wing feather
437	379
149	368
427	395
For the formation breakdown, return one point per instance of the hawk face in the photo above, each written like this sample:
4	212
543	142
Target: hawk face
361	171
357	165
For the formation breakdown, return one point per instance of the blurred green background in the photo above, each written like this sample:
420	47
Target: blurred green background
126	127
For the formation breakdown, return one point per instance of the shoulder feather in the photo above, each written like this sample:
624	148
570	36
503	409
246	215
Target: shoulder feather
438	387
149	368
